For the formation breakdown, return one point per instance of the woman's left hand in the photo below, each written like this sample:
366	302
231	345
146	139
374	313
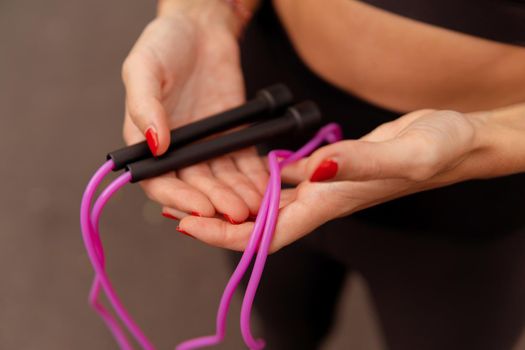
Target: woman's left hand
421	150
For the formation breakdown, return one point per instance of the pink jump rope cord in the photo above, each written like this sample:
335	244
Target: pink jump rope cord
260	241
89	225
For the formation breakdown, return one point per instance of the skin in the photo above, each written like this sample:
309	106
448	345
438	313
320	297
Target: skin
180	71
399	63
185	66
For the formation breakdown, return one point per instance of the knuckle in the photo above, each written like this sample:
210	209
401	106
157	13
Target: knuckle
156	191
140	110
463	129
255	173
150	192
218	190
127	67
456	121
386	128
136	109
375	167
228	176
447	113
421	172
424	160
227	238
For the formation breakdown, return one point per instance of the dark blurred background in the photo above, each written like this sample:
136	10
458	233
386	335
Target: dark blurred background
61	107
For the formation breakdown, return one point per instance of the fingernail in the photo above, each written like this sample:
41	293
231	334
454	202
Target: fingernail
325	171
233	222
152	139
169	216
183	232
196	213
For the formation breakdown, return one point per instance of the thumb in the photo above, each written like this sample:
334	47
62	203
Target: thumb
143	85
360	160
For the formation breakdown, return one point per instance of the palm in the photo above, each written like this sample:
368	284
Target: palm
421	150
199	74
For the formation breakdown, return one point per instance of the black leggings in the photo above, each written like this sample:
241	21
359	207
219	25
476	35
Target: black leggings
445	268
430	293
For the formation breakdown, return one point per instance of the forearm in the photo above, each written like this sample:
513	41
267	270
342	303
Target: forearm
502	138
498	148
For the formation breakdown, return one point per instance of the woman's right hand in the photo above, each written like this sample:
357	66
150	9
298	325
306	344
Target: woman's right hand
185	66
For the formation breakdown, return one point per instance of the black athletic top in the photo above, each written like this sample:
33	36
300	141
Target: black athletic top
477	208
500	20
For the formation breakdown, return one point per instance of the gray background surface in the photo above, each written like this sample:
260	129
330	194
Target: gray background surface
61	107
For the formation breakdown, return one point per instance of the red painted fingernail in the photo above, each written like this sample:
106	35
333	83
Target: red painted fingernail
196	213
325	171
153	140
233	222
169	216
183	232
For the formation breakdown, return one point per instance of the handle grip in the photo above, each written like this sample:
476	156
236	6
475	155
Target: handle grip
266	101
297	119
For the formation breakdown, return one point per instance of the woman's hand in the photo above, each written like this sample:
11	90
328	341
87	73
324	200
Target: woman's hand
185	66
419	151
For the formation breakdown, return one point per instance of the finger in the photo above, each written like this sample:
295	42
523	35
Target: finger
172	213
292	173
295	172
143	82
287	196
171	192
297	219
362	160
130	131
428	143
310	208
217	232
253	166
302	170
225	170
223	198
316	203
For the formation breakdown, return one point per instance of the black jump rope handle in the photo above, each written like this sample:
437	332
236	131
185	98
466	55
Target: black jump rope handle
297	119
267	101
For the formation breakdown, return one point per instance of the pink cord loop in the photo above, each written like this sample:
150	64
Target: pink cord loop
260	241
266	221
94	249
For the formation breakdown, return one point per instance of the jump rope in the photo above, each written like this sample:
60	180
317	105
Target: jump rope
266	117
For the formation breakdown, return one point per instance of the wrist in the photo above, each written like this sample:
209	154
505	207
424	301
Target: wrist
500	141
481	124
213	14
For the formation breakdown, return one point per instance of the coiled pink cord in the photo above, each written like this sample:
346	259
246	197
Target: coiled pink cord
260	241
